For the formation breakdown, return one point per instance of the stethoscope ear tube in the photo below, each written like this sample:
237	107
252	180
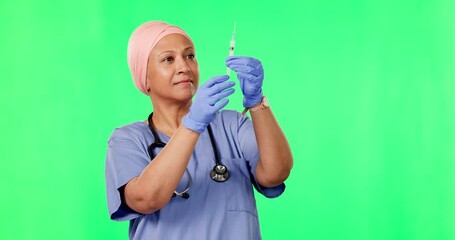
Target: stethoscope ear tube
184	194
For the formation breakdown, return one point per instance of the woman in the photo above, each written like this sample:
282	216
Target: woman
188	171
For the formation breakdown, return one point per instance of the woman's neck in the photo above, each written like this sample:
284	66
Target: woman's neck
168	118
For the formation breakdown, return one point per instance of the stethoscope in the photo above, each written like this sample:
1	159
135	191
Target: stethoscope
219	173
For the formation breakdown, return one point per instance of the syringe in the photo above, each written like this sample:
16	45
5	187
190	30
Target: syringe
231	48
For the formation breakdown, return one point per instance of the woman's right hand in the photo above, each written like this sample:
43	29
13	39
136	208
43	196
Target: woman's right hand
210	98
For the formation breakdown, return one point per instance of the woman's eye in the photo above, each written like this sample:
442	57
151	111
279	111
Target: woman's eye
190	56
168	59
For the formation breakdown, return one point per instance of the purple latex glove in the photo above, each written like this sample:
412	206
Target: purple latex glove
250	74
210	98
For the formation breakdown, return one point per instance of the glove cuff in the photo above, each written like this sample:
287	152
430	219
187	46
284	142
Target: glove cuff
251	101
193	125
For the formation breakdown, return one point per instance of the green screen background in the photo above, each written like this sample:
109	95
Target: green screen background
364	90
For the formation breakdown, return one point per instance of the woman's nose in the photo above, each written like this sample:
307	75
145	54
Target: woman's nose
182	66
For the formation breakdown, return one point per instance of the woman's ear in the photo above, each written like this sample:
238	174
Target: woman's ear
147	85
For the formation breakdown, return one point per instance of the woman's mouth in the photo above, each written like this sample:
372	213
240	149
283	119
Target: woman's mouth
184	82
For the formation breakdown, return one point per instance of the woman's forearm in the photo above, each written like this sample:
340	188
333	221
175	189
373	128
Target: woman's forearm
153	189
276	160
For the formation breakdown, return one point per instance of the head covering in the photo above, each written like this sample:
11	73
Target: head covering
141	43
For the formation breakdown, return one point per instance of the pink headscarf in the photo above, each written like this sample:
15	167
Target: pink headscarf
141	43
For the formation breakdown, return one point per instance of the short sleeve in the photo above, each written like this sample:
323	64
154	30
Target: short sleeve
126	158
249	147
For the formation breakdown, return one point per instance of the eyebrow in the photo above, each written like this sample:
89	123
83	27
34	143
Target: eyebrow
173	51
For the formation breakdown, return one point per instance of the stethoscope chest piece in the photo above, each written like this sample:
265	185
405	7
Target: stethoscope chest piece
219	173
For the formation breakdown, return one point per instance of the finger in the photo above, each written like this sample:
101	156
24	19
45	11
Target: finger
241	68
224	94
246	77
214	80
220	105
219	96
248	69
241	60
219	87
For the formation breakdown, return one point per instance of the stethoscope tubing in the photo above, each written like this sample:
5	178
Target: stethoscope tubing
219	173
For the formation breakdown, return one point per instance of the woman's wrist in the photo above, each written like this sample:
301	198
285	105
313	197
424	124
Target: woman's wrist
264	103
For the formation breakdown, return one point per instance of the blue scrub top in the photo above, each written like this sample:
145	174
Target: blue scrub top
215	210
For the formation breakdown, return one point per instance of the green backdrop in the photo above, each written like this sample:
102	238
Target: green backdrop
364	90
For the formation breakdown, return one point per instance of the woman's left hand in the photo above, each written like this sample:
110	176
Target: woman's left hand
250	74
210	98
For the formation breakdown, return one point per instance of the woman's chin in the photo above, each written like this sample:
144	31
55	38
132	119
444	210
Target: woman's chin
185	96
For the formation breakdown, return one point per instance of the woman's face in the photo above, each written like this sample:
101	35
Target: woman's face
172	71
